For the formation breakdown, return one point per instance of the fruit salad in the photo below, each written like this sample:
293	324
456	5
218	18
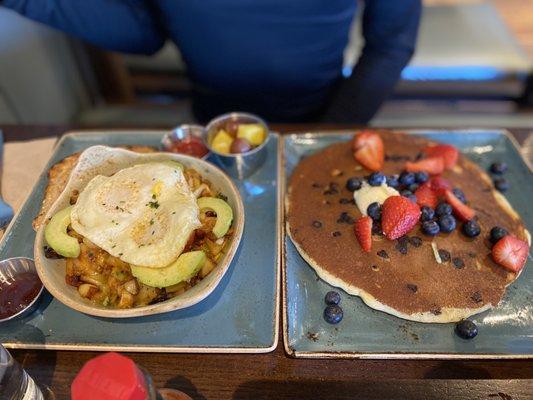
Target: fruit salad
237	138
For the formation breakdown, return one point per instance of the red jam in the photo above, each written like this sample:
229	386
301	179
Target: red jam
192	146
16	294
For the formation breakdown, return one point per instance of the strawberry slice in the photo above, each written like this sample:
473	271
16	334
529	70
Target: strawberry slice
448	153
369	150
363	232
440	185
398	216
460	209
432	165
425	196
511	253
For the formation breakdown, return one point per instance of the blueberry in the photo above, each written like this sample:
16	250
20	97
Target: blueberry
459	194
409	195
498	168
421	177
427	213
374	211
332	298
392	181
412	187
501	184
466	329
447	223
443	209
353	184
333	314
471	228
407	178
430	228
496	233
376	179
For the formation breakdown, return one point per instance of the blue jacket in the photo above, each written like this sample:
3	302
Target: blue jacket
279	58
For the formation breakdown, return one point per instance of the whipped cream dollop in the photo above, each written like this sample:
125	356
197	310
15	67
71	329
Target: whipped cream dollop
370	194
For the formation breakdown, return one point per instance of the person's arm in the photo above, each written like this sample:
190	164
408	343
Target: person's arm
122	25
390	29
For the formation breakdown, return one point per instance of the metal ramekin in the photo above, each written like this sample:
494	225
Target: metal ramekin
181	132
10	268
238	165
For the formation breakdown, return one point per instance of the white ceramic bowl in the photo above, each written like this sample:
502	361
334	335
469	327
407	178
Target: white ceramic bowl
105	161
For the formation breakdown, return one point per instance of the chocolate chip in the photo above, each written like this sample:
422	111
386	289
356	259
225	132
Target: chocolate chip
317	224
412	288
344	218
444	255
415	241
345	201
476	297
376	229
316	185
471	255
383	254
402	248
332	188
458	262
403	240
435	311
396	158
336	234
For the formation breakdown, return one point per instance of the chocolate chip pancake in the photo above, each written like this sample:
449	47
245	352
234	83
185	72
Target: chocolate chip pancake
423	278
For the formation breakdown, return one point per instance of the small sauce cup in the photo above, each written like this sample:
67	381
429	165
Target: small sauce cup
238	165
186	139
20	288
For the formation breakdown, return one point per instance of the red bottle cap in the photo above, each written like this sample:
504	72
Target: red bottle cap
110	376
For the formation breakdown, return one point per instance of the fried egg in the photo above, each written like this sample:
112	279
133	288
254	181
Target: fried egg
143	215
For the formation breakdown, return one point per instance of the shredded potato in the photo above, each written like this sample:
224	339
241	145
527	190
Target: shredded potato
108	281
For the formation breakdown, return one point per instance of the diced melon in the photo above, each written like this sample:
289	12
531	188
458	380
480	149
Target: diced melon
222	142
255	134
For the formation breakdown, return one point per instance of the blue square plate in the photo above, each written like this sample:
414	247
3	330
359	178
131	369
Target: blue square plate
241	315
504	332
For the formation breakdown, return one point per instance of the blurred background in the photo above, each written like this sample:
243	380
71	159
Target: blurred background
473	67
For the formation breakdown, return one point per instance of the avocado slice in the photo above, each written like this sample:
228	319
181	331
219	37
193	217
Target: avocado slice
56	235
184	268
223	211
254	133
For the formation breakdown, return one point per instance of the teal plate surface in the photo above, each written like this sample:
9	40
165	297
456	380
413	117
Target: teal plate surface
504	332
241	315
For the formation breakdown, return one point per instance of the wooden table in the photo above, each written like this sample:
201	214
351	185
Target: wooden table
275	376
